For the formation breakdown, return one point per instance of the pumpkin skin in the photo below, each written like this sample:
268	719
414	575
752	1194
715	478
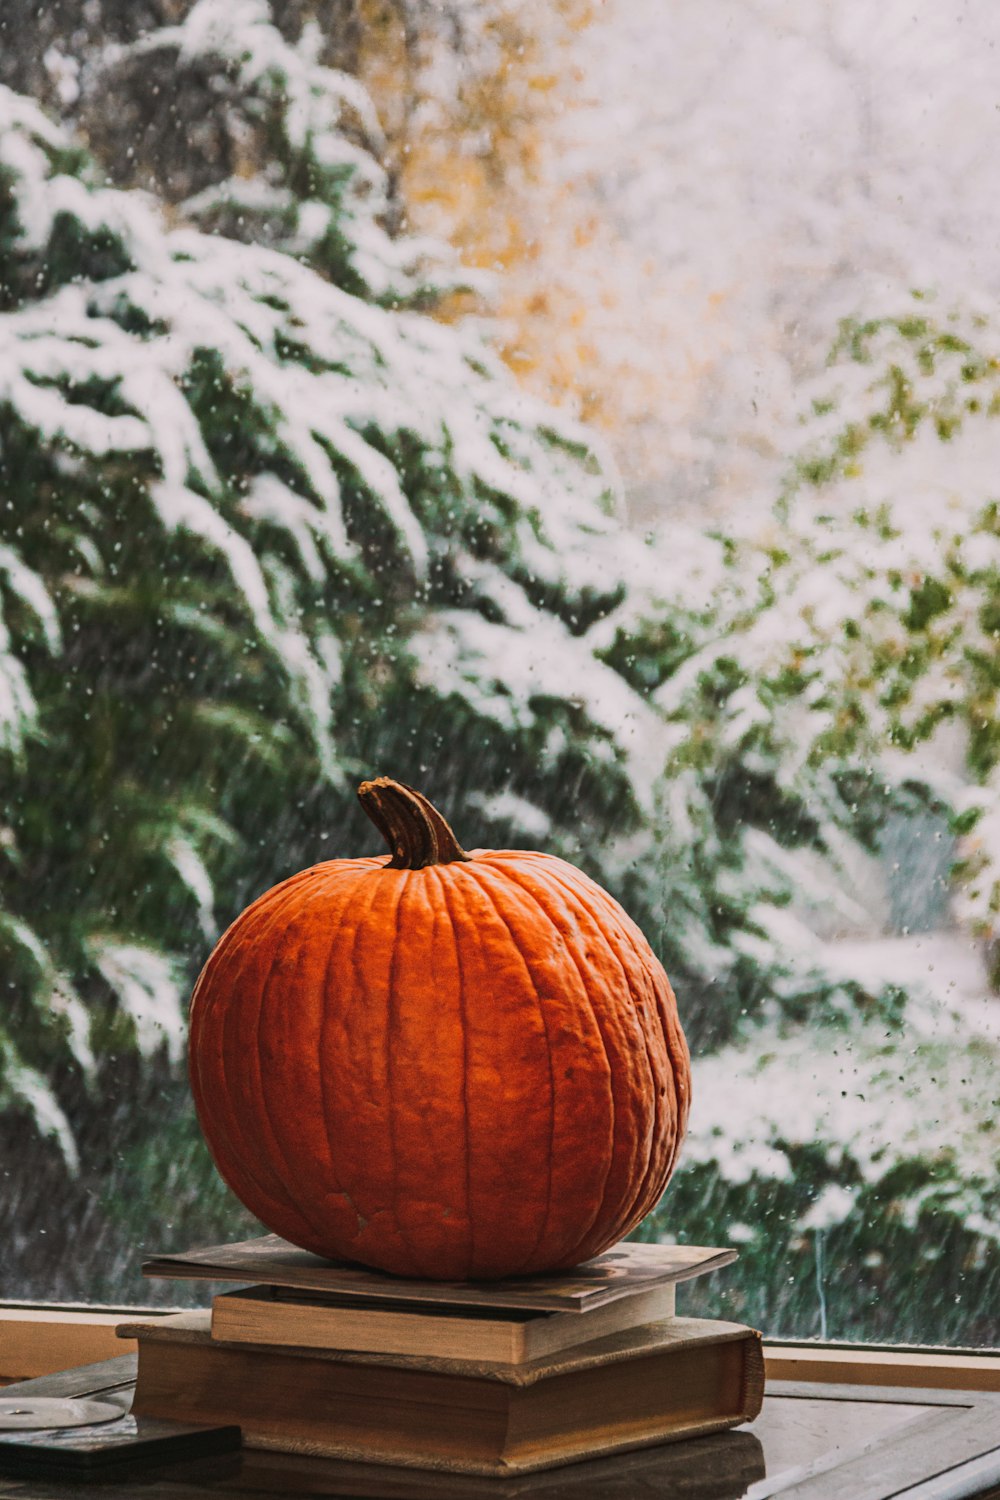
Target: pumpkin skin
442	1065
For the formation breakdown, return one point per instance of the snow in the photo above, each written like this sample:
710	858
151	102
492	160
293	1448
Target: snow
148	988
506	671
31	590
268	499
833	1206
976	900
186	860
507	807
28	1088
66	1005
17	703
875	1094
18	933
315	111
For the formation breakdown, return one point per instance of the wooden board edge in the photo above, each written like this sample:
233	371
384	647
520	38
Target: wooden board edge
43	1340
912	1369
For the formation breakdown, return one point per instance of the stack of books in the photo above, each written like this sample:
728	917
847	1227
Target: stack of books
478	1378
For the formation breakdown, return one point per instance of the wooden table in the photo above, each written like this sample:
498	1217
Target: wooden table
809	1443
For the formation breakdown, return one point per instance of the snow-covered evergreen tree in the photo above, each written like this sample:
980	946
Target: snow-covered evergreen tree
262	536
844	706
269	528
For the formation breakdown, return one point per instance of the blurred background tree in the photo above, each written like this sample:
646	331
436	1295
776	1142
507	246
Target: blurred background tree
269	527
277	516
484	123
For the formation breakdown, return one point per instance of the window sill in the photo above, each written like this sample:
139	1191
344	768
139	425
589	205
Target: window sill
860	1364
39	1340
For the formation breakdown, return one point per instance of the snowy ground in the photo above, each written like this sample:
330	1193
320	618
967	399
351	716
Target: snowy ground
946	966
872	1096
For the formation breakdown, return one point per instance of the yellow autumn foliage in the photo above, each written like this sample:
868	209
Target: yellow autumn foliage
479	109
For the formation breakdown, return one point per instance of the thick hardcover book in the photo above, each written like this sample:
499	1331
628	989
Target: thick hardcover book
621	1272
648	1385
267	1315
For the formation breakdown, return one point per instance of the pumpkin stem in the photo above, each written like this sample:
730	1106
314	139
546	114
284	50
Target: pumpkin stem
412	827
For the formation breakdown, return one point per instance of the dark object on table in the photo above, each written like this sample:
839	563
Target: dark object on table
108	1449
113	1444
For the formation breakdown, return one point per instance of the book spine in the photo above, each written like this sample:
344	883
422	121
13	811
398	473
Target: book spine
753	1375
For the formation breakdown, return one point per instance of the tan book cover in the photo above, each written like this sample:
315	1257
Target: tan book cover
620	1272
648	1385
512	1335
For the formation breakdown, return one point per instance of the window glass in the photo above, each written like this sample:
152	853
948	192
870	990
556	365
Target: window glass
586	414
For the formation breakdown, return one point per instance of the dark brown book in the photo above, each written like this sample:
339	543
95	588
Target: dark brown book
649	1385
264	1315
621	1272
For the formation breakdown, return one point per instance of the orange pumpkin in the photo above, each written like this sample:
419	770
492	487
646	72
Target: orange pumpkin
441	1064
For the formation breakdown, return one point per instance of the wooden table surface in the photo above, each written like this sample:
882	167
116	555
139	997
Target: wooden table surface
810	1442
